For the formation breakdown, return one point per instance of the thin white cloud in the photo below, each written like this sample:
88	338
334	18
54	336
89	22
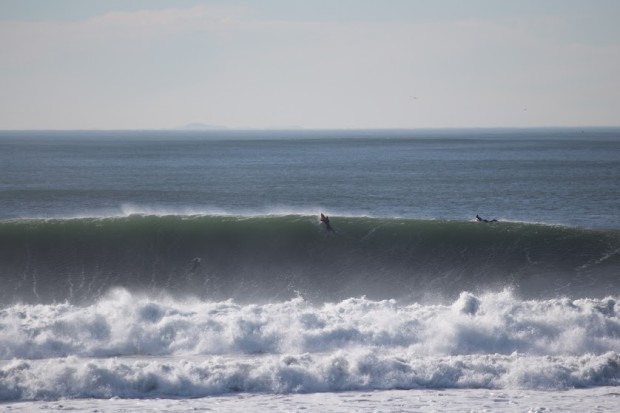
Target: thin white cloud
172	19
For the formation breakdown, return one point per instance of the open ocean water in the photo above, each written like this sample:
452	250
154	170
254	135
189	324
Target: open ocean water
178	270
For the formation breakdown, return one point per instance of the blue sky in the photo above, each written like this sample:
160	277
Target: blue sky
152	64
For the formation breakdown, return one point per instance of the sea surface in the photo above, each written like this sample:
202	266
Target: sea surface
178	270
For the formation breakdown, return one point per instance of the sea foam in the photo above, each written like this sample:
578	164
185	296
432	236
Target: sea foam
128	345
125	324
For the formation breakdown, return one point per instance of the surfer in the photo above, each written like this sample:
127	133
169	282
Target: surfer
325	220
484	220
195	264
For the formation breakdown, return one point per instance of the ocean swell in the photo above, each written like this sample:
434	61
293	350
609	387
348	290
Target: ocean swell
262	259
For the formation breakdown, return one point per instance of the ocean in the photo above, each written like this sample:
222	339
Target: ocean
180	270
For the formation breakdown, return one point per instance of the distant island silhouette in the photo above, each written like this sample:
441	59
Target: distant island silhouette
197	126
200	126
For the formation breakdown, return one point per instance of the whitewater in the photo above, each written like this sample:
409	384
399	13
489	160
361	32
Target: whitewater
132	347
190	271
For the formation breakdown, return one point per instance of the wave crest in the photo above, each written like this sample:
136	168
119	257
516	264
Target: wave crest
258	259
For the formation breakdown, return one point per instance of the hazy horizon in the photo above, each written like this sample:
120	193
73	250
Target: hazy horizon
207	128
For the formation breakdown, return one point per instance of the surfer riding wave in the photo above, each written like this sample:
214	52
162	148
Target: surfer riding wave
325	221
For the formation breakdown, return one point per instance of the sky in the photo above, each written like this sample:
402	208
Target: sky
321	64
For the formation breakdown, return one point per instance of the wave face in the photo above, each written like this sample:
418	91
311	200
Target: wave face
127	345
275	258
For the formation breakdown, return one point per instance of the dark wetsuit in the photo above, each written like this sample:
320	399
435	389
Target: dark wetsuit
325	220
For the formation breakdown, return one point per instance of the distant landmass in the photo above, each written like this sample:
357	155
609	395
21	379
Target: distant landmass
200	126
204	126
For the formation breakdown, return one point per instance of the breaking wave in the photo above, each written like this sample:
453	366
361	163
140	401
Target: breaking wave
275	258
125	345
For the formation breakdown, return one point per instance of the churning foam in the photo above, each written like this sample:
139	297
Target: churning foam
130	346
